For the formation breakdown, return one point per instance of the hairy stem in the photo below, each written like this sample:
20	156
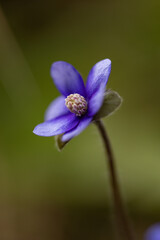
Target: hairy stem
123	224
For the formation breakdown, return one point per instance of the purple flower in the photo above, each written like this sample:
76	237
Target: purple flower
75	109
153	233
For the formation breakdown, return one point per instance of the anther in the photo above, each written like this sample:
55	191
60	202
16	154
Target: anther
76	104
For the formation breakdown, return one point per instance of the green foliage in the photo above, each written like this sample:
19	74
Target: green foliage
59	144
112	101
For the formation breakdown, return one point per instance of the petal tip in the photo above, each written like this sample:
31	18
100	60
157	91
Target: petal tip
34	131
106	61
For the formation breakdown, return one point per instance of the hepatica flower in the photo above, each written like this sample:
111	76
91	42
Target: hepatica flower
79	105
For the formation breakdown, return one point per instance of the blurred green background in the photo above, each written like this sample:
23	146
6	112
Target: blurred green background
46	194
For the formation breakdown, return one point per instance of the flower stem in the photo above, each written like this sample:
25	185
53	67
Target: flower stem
123	224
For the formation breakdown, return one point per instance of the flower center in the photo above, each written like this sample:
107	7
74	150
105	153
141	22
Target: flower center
76	104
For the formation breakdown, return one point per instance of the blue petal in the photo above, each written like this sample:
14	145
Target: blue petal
67	79
84	122
56	126
96	102
56	108
153	233
96	84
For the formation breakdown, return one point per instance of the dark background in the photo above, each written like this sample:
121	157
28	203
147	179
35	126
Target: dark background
46	194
